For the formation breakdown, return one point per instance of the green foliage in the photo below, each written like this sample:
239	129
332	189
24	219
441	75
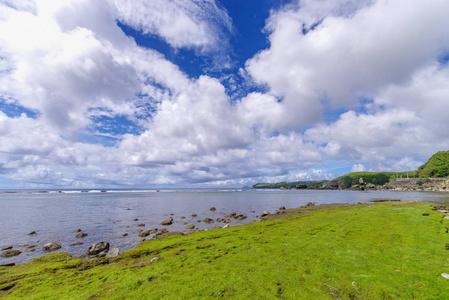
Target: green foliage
436	166
386	251
419	182
287	184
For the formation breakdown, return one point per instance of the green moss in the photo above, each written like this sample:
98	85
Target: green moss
382	251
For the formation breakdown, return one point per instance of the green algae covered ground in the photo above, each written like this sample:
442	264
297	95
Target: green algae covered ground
373	251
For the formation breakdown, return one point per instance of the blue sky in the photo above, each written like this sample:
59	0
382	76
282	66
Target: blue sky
208	93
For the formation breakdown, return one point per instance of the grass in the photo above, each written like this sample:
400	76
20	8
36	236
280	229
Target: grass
378	251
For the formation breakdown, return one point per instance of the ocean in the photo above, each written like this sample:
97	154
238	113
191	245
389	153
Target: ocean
107	215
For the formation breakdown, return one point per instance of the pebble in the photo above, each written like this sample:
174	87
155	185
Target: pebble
445	275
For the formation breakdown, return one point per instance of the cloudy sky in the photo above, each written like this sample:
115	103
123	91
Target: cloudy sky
218	93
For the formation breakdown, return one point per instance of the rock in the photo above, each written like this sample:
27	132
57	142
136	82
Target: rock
264	214
219	220
10	253
442	211
191	226
31	246
125	234
78	230
194	216
167	222
8	265
81	235
241	218
135	220
182	217
163	230
51	247
6	248
98	250
226	226
32	232
227	220
146	233
199	221
208	220
139	230
172	214
425	214
282	208
231	215
113	252
23	245
212	209
80	256
76	244
445	275
310	204
154	259
141	225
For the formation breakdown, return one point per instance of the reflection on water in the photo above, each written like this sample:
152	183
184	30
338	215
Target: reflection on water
107	215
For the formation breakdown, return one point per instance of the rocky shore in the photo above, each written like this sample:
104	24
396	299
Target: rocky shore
395	184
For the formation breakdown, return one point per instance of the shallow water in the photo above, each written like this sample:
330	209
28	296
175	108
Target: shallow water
106	216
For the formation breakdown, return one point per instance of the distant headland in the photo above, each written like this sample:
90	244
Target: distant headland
432	176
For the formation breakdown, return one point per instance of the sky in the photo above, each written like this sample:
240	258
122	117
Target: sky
218	93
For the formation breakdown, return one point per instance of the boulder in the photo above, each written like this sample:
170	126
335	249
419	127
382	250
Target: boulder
141	225
310	204
10	253
227	220
212	209
264	214
282	208
51	247
226	226
190	226
98	250
194	216
6	248
125	234
81	235
208	220
167	222
113	252
32	232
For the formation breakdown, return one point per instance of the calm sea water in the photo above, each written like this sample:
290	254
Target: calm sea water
106	216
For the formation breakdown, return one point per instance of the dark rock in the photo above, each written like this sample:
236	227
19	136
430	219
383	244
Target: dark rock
78	230
227	220
208	220
182	217
32	232
51	247
81	235
10	253
31	246
231	215
135	220
190	226
76	244
301	187
194	216
425	214
310	204
6	248
80	256
198	221
163	230
212	209
8	265
141	225
98	250
219	220
264	214
282	208
167	222
125	234
145	233
241	218
139	230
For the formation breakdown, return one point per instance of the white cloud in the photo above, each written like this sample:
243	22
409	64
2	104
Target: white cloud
358	168
197	24
347	57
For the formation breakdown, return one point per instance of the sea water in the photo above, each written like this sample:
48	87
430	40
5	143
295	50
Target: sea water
56	216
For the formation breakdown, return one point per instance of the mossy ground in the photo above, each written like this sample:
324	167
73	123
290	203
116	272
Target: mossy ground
379	251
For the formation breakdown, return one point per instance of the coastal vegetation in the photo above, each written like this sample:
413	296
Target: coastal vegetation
436	166
288	184
389	250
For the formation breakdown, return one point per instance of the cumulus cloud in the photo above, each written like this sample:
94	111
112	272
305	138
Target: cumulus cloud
346	56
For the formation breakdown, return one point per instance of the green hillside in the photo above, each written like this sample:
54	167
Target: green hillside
436	166
377	178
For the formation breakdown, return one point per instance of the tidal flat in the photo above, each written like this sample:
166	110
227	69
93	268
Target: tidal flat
389	250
